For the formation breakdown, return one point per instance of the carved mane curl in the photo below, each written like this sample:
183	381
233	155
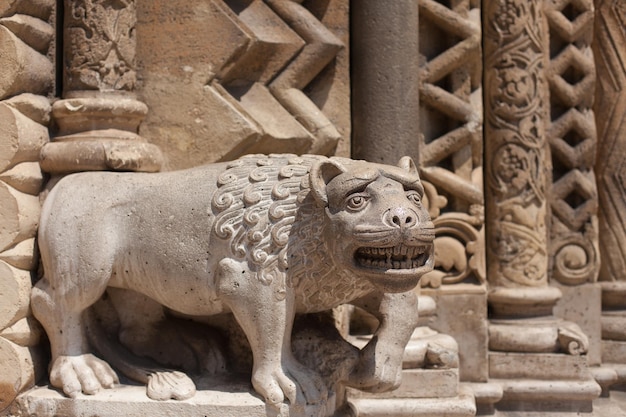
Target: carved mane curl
255	206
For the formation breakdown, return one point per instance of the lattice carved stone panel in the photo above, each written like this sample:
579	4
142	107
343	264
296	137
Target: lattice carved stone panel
451	145
572	135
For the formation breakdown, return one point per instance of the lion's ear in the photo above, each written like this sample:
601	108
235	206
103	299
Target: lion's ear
321	174
407	164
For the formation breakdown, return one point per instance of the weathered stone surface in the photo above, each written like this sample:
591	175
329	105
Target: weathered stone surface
37	8
25	332
540	366
462	405
19	216
22	68
14	294
299	204
609	46
517	153
17	370
582	304
35	32
21	138
22	255
25	177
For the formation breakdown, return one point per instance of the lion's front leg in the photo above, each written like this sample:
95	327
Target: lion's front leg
380	364
266	314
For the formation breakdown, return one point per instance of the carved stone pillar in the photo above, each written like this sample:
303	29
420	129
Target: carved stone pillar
384	79
573	243
517	159
523	332
609	46
99	115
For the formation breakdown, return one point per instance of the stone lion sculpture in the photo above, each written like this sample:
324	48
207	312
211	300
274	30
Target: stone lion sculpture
263	238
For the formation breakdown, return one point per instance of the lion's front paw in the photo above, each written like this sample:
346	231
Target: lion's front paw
83	373
377	372
292	382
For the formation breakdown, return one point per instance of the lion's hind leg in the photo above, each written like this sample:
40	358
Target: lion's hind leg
58	302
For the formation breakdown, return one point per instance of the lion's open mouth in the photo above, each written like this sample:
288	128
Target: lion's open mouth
397	257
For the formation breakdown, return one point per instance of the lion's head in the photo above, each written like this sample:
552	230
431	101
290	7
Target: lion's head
315	219
377	225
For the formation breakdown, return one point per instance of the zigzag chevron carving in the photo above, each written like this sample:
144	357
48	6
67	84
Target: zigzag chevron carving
610	36
285	48
572	137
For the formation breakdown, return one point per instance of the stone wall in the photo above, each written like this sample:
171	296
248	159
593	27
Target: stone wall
26	82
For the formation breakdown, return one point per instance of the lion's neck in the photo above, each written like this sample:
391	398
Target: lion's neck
319	283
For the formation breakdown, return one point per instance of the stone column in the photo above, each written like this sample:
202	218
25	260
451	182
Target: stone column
525	340
517	163
99	115
384	79
573	243
609	46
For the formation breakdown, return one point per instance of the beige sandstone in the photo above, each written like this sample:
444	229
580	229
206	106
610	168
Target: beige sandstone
175	84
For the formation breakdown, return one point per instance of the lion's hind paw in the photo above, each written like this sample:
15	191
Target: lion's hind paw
83	373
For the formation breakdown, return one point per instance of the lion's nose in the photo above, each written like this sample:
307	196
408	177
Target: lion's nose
401	217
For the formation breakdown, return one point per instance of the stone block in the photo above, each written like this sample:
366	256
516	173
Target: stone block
419	383
537	366
581	304
613	351
461	405
462	313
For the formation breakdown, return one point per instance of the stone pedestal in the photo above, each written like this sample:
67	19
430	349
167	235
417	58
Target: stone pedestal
462	313
430	382
227	400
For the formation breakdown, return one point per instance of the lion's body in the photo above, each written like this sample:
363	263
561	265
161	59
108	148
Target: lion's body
247	237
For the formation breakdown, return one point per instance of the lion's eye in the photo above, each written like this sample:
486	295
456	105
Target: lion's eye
357	202
414	197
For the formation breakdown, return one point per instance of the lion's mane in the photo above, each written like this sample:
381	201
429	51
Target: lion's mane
258	200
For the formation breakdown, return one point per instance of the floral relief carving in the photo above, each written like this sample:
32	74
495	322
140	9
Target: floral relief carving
100	45
459	243
517	153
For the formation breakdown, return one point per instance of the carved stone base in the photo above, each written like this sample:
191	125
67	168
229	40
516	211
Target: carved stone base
430	382
541	398
614	351
233	399
461	405
543	384
99	133
419	383
537	335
